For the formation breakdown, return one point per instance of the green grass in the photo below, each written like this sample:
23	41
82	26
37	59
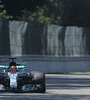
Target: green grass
68	72
78	72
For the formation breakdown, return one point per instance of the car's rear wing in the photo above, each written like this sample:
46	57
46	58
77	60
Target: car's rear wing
18	66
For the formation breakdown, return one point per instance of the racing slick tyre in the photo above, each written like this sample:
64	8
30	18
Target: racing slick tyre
39	80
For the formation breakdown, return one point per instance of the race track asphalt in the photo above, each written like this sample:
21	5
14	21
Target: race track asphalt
59	87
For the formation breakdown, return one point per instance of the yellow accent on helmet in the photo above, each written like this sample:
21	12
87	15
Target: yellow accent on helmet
13	67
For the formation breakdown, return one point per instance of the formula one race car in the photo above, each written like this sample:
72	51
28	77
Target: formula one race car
15	78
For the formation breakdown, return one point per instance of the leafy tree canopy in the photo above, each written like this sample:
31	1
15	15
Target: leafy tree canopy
3	13
61	12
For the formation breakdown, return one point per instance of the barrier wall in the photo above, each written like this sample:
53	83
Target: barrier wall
50	64
62	64
53	44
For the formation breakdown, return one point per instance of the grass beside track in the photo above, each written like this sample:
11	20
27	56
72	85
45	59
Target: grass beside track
68	72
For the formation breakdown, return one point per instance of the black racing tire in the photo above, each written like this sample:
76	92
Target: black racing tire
40	79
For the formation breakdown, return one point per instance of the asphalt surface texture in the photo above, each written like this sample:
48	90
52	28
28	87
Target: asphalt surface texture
58	87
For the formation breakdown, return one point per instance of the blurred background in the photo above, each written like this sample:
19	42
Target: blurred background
54	34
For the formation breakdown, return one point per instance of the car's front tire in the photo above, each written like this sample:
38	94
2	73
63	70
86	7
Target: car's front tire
39	79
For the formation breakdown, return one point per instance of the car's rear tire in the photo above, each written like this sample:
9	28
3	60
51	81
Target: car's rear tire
39	78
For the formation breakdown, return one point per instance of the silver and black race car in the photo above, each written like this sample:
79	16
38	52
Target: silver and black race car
15	77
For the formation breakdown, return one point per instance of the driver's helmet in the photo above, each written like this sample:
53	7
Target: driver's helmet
12	67
12	63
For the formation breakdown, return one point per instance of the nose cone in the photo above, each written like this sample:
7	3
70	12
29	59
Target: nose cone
13	80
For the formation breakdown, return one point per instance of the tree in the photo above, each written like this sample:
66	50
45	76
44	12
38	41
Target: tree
61	12
76	12
3	13
49	12
40	11
2	10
